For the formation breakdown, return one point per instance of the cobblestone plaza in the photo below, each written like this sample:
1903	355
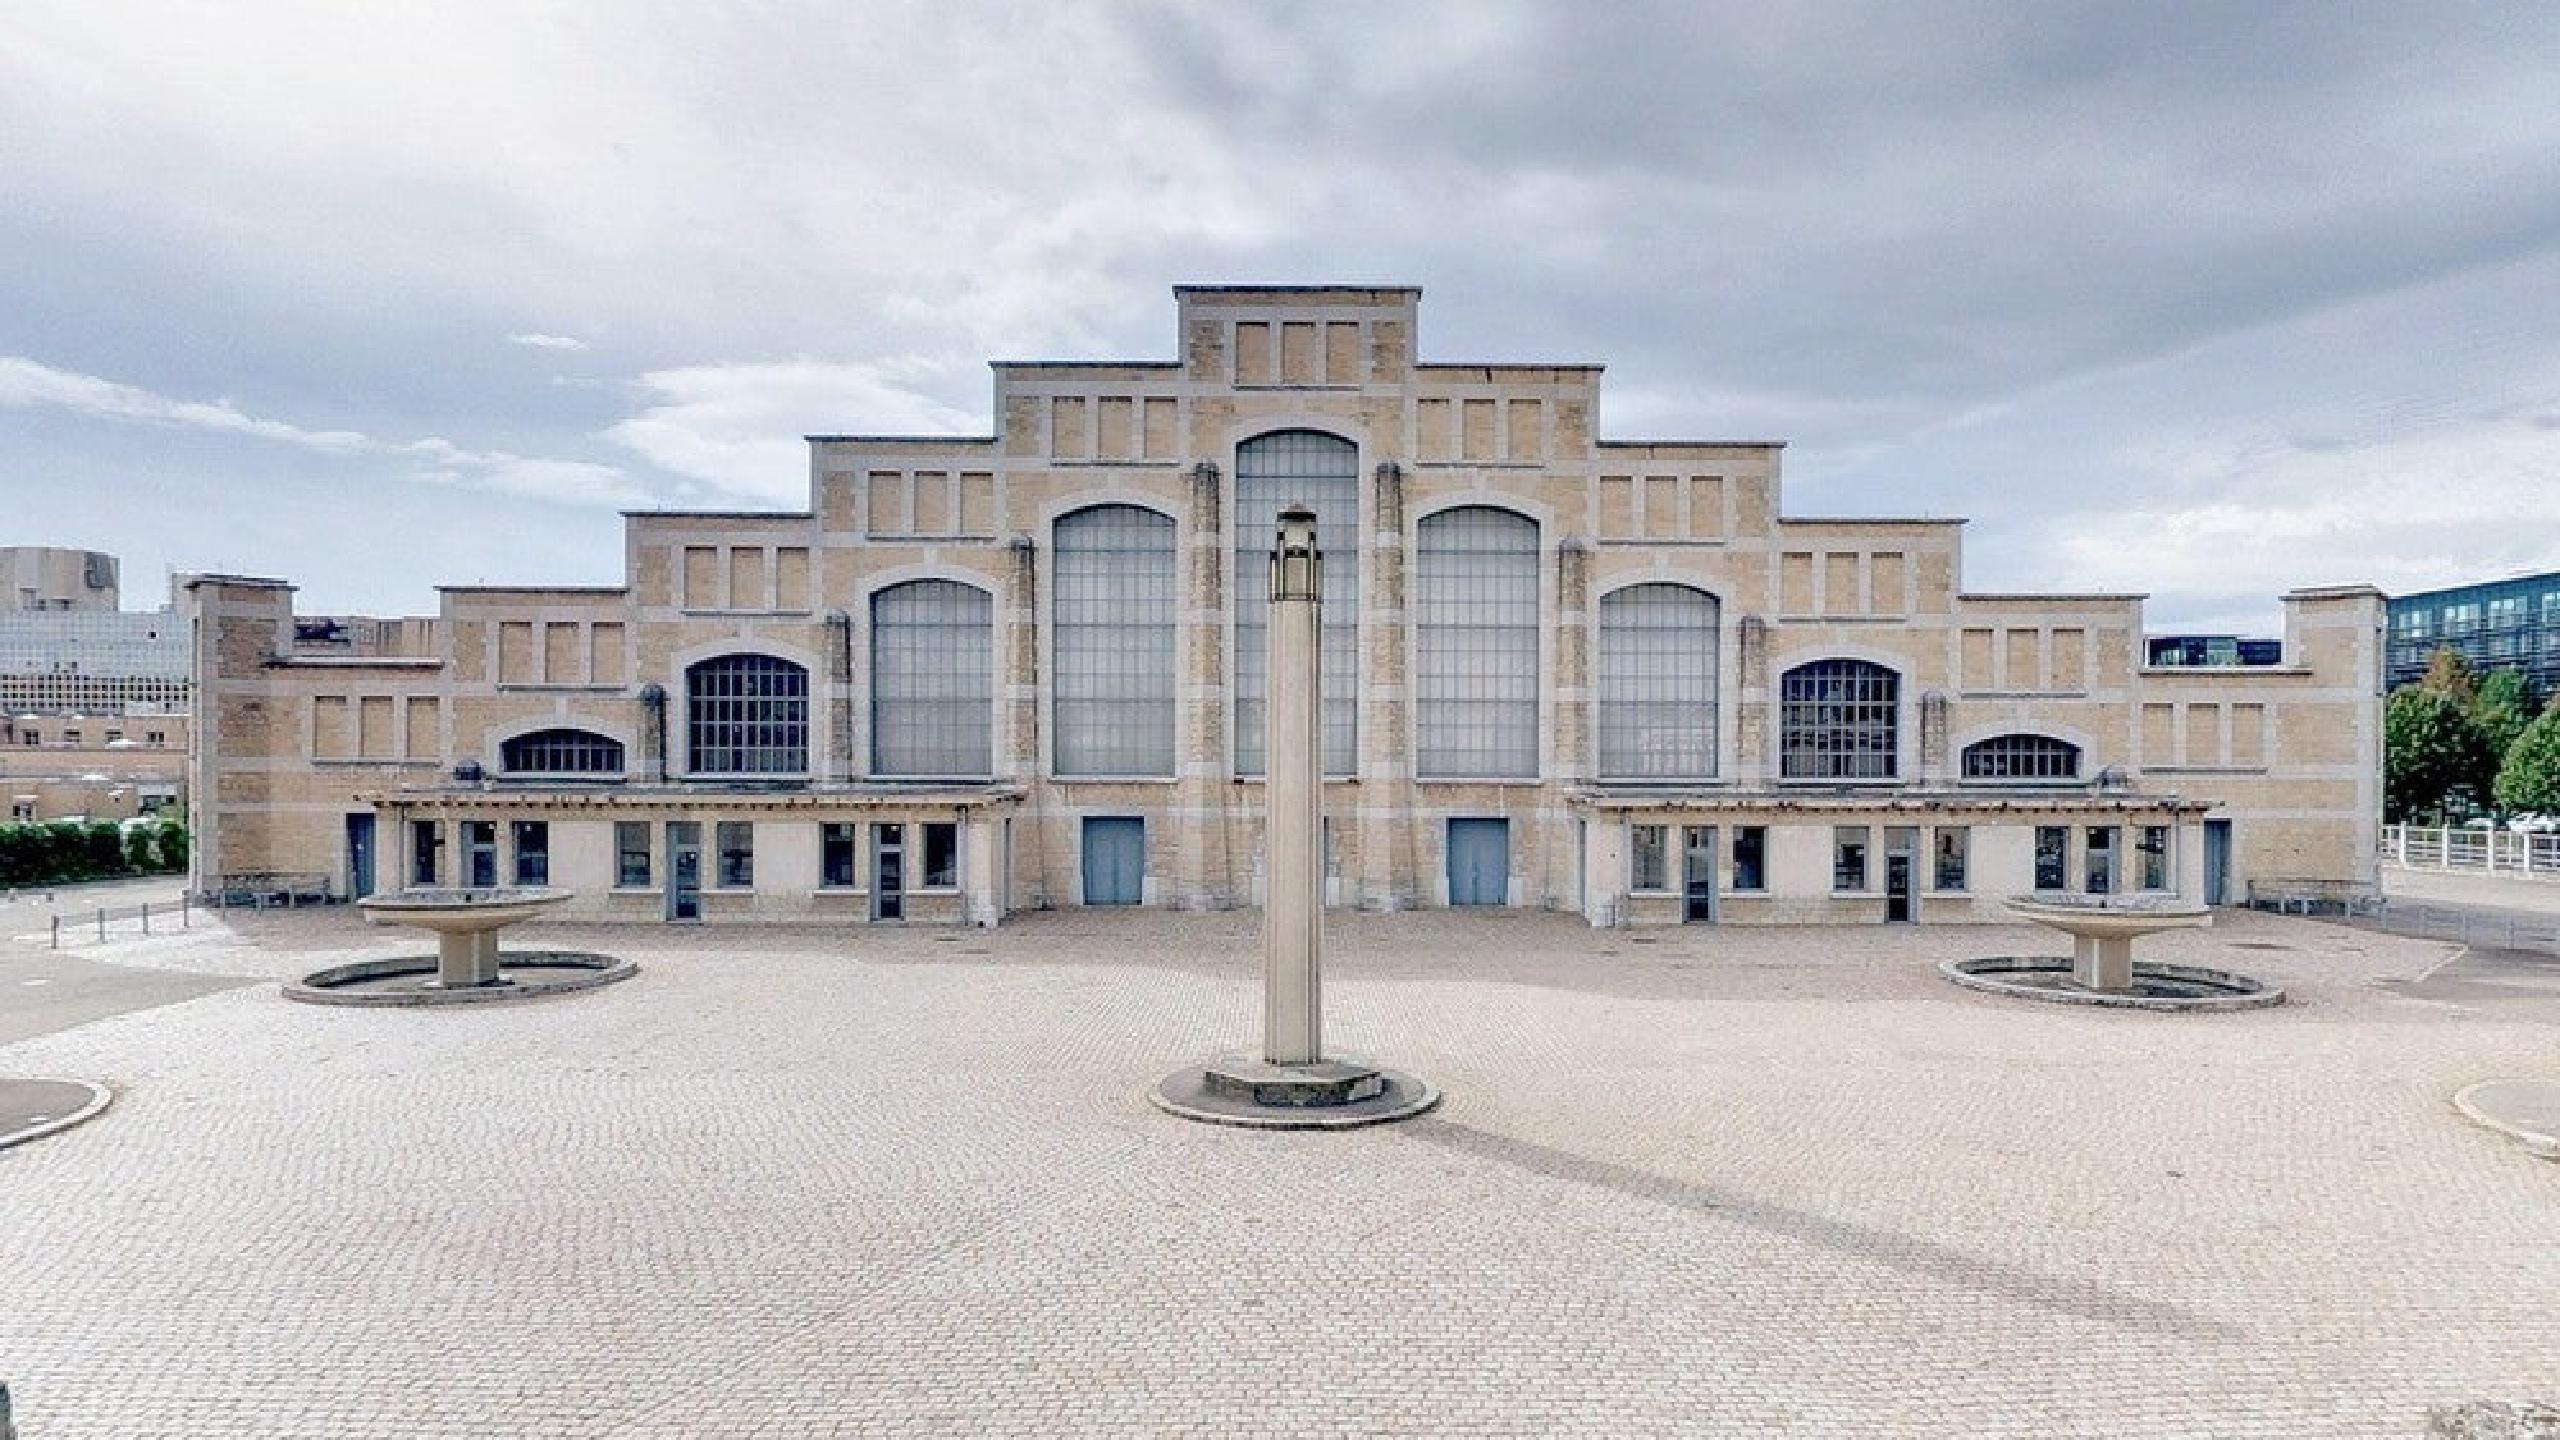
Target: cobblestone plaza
794	1182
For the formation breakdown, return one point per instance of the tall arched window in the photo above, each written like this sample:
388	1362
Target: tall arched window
561	752
1475	632
1657	683
2022	757
1321	472
1113	600
932	680
1840	720
746	715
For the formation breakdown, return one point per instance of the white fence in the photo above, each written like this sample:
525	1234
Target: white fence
2474	848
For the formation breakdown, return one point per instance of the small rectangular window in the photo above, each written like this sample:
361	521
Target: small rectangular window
631	854
480	854
426	842
736	841
941	856
1848	858
2098	868
836	850
1751	857
533	852
70	737
2155	857
1954	844
1648	863
2053	857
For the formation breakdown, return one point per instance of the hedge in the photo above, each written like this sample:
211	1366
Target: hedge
55	852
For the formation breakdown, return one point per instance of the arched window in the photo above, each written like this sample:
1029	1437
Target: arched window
1321	472
746	715
1475	630
561	752
1113	601
1839	720
2022	757
1657	683
932	680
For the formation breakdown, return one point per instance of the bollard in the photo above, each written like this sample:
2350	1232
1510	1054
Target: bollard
7	1430
146	917
57	944
102	927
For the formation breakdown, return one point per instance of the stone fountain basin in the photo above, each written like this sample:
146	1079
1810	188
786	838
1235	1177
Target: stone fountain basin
454	911
2109	917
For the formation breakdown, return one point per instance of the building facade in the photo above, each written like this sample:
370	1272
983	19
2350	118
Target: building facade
984	674
2498	625
51	578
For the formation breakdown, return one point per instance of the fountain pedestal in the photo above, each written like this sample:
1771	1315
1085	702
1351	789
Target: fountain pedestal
2103	928
465	923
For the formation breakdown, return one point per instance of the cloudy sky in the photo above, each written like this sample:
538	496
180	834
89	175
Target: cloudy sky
2203	300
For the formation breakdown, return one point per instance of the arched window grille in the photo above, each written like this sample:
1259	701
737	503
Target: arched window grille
932	680
1839	720
1321	472
1657	683
1475	626
561	752
2022	757
1113	598
746	715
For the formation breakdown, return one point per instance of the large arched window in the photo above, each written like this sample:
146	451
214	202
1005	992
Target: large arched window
1839	720
561	752
1321	472
746	715
932	680
1113	598
1657	683
2022	757
1475	633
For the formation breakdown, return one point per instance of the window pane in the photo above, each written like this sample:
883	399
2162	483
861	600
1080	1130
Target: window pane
1657	683
561	752
2155	857
426	839
631	854
1849	857
1954	842
1839	720
1321	472
835	856
1475	619
1114	599
941	856
736	842
533	852
2099	863
1649	866
932	680
747	715
2053	857
2021	757
1750	857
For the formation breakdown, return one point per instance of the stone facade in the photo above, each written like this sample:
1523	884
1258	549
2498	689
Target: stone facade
2206	782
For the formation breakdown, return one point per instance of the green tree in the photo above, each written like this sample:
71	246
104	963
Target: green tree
171	841
137	850
2451	675
2433	755
2530	778
2503	707
101	849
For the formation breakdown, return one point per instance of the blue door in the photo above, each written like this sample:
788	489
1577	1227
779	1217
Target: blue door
1479	862
2217	862
1115	859
359	856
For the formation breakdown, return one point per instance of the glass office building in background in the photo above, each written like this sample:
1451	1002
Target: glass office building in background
2500	625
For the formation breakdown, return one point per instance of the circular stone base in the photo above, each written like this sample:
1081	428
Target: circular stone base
1336	1094
411	980
2526	1111
2155	987
33	1109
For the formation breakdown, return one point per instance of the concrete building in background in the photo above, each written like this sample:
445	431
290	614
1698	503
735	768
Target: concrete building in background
2511	624
978	674
94	700
45	577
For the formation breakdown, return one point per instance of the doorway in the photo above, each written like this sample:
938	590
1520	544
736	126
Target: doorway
1479	862
359	856
888	872
1698	873
684	869
1115	860
2217	862
480	854
1901	873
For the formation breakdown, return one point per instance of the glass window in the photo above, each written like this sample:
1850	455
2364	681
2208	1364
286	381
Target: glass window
2154	846
561	752
1839	720
426	847
932	680
2098	863
1750	857
1657	683
736	842
747	715
533	851
1321	472
1114	600
631	854
1954	845
1848	858
1476	644
480	853
941	855
2053	857
2021	757
1648	858
835	856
